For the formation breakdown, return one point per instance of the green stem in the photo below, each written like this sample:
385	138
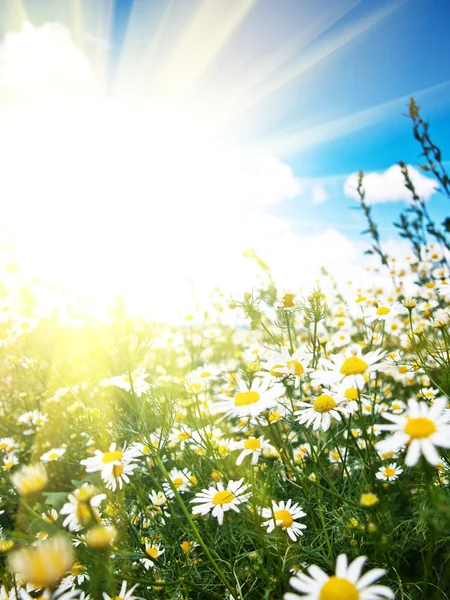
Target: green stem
194	528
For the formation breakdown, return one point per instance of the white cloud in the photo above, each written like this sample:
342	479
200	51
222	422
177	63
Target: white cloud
42	60
389	186
319	195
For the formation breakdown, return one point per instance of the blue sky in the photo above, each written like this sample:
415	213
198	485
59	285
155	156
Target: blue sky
402	54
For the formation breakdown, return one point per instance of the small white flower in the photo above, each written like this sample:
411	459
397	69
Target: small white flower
350	367
153	551
115	465
253	447
52	455
347	584
422	428
284	515
219	500
320	413
123	594
251	402
389	473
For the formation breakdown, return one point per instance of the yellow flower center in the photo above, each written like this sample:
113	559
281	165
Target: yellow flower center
177	482
40	574
186	546
383	310
183	436
403	369
274	372
296	366
112	456
285	517
53	456
274	416
152	552
354	366
252	444
288	300
224	497
117	470
389	472
223	450
205	374
33	484
351	394
195	388
83	512
368	500
324	403
246	398
420	427
337	588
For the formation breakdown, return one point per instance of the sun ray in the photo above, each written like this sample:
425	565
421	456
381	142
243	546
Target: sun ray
208	31
293	70
300	139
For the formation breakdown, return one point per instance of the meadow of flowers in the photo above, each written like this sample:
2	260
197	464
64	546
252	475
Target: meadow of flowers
278	445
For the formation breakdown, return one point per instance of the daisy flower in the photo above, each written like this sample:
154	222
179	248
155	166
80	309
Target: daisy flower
421	428
30	479
348	367
152	551
347	584
219	500
180	436
157	498
251	402
389	473
81	508
320	413
52	455
283	364
43	565
284	515
137	382
123	594
384	312
251	447
182	481
444	290
115	465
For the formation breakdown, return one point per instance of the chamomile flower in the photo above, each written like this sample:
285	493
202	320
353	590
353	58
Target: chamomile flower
53	455
284	364
152	551
81	508
284	515
219	500
30	479
346	584
251	402
320	413
253	447
444	290
157	498
115	465
180	436
389	473
349	367
181	480
384	312
123	594
43	565
421	428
